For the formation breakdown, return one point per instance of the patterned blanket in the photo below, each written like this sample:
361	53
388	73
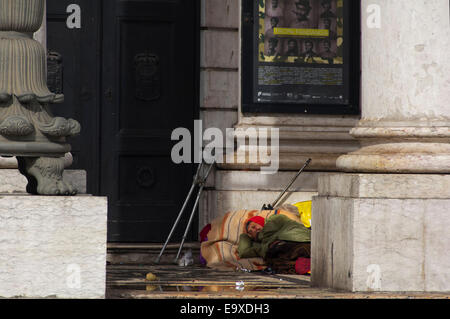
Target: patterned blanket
220	250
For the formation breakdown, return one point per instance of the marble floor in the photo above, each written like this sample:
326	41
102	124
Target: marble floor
168	281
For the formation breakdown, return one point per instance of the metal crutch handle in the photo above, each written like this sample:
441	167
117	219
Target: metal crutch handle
271	206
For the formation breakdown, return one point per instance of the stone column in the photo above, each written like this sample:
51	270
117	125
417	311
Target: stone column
405	91
388	231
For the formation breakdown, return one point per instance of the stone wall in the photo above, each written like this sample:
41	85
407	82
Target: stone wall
219	64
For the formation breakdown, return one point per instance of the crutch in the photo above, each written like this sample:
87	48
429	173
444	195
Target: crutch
271	206
198	180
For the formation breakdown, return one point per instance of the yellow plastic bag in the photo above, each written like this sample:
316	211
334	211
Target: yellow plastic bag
304	209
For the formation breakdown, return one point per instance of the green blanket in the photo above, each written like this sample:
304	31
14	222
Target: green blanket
277	227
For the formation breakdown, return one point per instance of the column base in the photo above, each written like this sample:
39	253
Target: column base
375	232
399	147
429	158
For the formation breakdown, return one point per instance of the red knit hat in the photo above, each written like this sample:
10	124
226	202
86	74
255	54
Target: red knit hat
303	266
257	219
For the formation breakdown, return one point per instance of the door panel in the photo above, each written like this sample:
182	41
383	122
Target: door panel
73	69
149	88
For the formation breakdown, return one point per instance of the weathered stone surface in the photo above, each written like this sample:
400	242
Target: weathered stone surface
406	77
322	138
52	246
11	162
255	181
367	237
219	89
15	183
412	186
219	49
405	125
220	13
221	119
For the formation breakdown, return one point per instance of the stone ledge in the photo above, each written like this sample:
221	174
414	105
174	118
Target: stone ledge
144	254
411	186
53	246
255	181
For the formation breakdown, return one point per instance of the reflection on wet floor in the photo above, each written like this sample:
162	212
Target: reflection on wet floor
171	281
156	279
208	288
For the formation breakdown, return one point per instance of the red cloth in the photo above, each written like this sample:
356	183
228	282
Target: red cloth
258	219
204	233
204	237
303	266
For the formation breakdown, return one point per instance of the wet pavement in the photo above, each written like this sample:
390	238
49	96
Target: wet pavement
169	281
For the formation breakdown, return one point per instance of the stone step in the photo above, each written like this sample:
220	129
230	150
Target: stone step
146	253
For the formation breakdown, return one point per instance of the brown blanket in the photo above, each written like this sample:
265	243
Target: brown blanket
220	251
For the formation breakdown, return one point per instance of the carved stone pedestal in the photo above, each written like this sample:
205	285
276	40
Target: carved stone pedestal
27	127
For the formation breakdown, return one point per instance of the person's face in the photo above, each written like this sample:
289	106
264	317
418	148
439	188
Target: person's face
291	46
253	229
272	45
326	6
302	11
274	22
308	46
326	46
274	3
326	24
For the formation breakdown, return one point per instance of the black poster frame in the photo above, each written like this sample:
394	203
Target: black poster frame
352	34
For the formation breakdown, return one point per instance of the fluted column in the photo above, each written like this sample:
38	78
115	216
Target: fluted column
405	89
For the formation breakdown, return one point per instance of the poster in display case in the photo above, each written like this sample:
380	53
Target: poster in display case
300	56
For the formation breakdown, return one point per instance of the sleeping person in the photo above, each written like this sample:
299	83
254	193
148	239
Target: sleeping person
280	241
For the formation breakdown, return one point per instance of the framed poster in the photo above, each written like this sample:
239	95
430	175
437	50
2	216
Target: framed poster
300	56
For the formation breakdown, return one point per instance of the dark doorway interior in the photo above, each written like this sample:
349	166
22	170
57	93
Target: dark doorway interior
130	76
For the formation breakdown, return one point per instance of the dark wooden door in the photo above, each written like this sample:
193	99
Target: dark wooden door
73	69
149	88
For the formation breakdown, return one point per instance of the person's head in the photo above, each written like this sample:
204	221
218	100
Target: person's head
274	21
308	45
326	45
254	226
273	43
303	9
292	45
326	4
327	23
274	3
